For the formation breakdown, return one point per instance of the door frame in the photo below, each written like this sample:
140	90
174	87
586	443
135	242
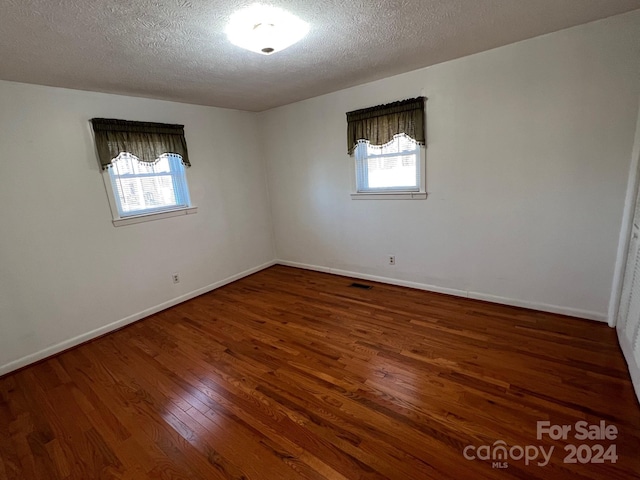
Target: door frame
626	228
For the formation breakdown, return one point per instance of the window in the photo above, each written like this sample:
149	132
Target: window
394	167
144	169
141	188
386	142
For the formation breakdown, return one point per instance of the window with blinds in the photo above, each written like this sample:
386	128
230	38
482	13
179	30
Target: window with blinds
394	167
142	188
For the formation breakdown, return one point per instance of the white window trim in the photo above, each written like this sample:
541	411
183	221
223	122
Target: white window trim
148	217
145	217
391	195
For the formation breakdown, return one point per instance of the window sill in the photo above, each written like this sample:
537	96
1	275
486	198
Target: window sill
390	196
121	222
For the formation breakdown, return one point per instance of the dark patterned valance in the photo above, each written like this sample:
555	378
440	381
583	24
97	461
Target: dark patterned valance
146	140
379	124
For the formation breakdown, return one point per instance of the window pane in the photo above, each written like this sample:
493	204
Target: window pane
124	163
158	191
130	194
144	187
390	172
142	168
395	166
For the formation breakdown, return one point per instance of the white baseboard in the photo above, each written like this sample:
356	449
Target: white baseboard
543	307
634	369
72	342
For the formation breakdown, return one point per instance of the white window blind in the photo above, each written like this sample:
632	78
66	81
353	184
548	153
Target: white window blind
143	188
394	167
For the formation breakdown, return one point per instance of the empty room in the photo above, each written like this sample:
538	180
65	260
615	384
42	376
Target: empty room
329	240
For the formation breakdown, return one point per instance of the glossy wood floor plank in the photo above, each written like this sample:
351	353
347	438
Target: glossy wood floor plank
290	374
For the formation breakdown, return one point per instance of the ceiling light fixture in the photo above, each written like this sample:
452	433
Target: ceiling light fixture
264	29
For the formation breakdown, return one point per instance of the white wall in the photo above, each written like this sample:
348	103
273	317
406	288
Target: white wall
66	273
528	153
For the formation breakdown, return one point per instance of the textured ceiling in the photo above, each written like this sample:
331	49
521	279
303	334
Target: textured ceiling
177	49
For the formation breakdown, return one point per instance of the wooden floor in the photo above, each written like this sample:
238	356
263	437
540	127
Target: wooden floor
292	374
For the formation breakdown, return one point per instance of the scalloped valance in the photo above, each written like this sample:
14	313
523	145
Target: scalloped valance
380	124
146	140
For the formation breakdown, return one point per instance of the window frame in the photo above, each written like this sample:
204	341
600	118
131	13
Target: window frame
146	215
400	193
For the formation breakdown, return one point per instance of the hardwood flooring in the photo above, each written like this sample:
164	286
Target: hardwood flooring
290	374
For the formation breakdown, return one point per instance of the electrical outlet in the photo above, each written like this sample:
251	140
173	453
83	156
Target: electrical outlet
392	259
176	278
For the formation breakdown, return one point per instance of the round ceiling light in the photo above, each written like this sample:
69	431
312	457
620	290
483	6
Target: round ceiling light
264	29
